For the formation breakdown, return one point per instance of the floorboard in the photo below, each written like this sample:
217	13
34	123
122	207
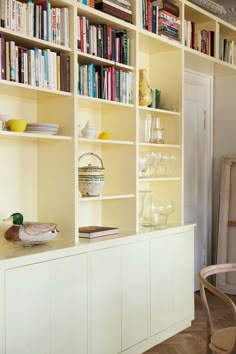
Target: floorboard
192	340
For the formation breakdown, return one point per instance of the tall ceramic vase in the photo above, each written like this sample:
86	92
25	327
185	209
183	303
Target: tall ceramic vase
145	93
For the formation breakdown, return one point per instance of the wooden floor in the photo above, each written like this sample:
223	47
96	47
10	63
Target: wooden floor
192	340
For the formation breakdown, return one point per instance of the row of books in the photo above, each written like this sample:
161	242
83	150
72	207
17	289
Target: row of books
227	50
108	83
199	39
87	2
34	66
159	20
103	41
37	19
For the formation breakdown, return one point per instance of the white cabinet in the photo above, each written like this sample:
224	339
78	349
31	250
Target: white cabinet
123	296
171	280
46	307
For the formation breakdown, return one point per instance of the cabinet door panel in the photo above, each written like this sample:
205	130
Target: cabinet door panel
183	283
134	294
28	310
171	280
69	305
106	301
46	307
161	284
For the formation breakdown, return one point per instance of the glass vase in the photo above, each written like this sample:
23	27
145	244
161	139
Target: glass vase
145	208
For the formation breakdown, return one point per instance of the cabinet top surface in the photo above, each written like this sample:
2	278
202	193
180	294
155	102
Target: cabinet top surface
12	254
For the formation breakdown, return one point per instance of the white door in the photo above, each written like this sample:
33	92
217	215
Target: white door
197	162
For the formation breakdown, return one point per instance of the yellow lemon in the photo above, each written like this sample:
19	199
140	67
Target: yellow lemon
104	135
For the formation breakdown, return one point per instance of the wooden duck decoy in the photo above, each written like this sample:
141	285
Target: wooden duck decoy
29	233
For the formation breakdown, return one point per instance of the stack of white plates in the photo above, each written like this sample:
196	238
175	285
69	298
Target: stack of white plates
42	128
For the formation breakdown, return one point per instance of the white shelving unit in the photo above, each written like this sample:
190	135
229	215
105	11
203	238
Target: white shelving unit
39	177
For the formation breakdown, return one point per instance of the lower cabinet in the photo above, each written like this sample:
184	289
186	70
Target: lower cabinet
109	300
119	297
172	272
46	307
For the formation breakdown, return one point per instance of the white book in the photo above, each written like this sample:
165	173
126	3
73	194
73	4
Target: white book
31	67
8	14
50	70
13	15
42	69
26	72
54	70
65	26
30	19
44	23
95	40
23	18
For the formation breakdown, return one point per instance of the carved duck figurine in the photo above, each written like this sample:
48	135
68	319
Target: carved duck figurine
29	233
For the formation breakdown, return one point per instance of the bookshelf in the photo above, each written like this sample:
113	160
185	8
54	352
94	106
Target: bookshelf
163	58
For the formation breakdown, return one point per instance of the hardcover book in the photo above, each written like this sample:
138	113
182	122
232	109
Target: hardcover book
113	10
97	231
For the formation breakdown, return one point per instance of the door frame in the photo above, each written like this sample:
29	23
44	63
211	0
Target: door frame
191	76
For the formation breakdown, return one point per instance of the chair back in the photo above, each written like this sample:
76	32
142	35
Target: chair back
205	284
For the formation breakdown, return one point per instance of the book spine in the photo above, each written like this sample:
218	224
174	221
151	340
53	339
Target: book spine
2	17
12	58
58	25
3	58
8	14
65	26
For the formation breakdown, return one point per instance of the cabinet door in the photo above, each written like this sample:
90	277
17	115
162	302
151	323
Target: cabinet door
106	301
46	306
171	280
69	305
134	293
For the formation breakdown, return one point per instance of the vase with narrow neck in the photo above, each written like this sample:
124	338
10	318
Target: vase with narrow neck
145	93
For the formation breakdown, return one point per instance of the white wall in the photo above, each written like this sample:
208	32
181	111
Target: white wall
224	136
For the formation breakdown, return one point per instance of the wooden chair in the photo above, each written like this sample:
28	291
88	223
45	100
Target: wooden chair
221	341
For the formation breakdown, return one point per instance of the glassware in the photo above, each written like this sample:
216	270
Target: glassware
156	131
145	208
147	128
161	209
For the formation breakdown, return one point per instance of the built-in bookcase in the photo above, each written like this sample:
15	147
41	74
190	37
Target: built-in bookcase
40	172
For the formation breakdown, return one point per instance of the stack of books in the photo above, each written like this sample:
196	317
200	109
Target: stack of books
168	20
118	8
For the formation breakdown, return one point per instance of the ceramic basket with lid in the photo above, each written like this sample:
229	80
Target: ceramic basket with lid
91	177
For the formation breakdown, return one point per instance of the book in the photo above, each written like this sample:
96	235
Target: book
168	6
97	231
112	10
115	4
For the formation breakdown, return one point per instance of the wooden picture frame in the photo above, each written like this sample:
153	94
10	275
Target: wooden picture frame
226	247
